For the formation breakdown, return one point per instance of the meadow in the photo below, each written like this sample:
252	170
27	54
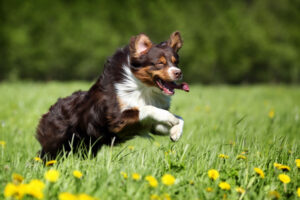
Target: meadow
231	129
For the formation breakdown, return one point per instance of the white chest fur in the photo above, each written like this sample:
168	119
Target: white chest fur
133	93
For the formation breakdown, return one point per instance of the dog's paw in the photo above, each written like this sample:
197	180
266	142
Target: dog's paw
176	131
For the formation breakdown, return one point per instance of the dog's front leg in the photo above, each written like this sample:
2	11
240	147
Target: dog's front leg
151	113
175	132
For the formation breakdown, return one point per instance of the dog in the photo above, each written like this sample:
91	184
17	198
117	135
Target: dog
132	96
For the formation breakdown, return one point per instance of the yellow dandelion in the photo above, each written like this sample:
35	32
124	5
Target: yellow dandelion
77	174
207	108
209	189
271	114
241	157
37	159
298	191
52	175
131	147
85	197
152	181
168	179
224	186
213	174
274	194
17	178
35	188
259	172
282	167
136	176
157	144
124	174
297	163
284	178
223	156
2	143
17	191
67	196
155	197
166	196
51	162
240	190
197	108
12	190
191	182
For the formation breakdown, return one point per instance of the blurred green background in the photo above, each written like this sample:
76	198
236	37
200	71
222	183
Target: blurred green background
247	41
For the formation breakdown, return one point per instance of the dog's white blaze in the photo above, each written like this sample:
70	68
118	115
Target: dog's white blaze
170	71
133	93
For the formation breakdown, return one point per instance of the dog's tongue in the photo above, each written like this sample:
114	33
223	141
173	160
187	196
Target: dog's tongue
183	86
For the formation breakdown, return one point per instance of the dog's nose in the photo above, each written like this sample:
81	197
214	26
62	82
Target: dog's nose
177	73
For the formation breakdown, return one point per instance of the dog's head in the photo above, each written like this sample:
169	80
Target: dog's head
157	64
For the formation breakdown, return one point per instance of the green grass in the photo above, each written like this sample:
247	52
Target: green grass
218	119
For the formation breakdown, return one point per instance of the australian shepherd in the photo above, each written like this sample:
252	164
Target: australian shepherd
130	98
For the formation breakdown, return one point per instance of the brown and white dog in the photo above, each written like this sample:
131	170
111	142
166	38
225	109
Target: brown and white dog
131	97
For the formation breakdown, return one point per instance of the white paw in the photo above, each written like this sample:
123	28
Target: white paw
176	131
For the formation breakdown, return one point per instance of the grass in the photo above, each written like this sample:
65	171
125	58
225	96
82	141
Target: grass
218	120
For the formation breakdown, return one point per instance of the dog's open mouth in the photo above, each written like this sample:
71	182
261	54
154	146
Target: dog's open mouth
169	87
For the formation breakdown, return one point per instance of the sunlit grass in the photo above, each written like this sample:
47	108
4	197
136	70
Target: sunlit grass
229	129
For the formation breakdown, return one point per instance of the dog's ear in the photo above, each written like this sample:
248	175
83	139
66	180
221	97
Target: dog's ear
175	41
139	45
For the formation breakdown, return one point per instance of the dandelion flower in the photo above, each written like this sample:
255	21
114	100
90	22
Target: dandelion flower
131	147
298	191
223	156
297	163
2	143
67	196
51	162
17	191
209	189
77	174
207	108
166	196
152	181
282	167
191	182
271	114
17	178
240	190
12	190
37	159
284	178
154	197
136	176
274	194
157	144
224	186
124	174
168	179
35	188
241	157
52	175
259	172
213	174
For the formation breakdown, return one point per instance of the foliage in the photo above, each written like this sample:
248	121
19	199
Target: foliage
219	120
225	41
